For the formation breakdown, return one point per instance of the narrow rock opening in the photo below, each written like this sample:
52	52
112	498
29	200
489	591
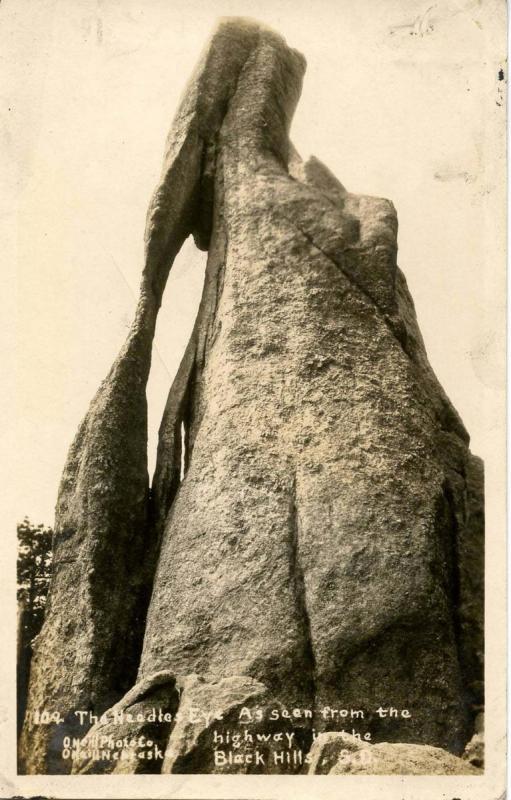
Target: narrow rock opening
183	451
175	323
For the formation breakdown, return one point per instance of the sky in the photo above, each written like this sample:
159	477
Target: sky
401	99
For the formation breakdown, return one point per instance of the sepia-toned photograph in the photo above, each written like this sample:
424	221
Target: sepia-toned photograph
260	399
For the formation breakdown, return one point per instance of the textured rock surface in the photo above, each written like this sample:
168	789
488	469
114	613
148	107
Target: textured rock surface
209	717
342	754
104	550
126	741
474	751
470	557
326	539
325	491
167	724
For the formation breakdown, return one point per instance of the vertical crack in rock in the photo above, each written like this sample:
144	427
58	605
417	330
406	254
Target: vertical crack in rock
446	570
184	452
450	535
300	595
469	559
172	453
187	419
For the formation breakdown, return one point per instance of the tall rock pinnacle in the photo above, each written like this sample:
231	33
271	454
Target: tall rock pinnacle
324	546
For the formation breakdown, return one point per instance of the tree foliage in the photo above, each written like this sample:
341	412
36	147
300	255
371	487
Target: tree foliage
34	571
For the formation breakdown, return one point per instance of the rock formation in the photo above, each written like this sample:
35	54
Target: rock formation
324	546
342	754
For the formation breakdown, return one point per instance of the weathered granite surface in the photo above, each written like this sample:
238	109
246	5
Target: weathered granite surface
104	549
325	491
226	742
326	539
342	754
124	742
474	750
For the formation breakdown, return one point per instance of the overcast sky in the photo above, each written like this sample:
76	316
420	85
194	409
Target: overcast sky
401	99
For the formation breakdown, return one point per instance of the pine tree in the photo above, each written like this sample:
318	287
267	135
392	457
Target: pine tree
33	573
